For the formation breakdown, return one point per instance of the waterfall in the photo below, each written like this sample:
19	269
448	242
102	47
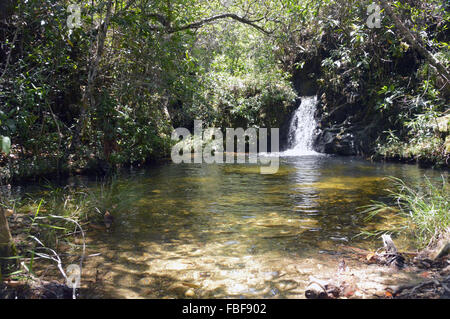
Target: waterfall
302	127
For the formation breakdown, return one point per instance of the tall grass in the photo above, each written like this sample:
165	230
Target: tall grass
425	208
55	216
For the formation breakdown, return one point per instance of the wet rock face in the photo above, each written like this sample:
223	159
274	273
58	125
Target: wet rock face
305	78
333	141
346	141
345	129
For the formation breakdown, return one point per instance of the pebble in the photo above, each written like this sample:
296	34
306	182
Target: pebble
189	293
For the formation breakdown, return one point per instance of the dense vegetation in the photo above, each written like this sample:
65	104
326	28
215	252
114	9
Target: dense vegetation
110	92
424	209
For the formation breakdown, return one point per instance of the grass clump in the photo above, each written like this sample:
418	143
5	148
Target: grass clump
425	209
48	225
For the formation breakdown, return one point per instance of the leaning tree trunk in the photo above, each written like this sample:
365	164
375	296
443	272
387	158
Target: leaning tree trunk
6	243
88	98
416	43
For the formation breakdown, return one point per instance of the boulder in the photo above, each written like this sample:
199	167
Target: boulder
447	145
442	124
332	141
442	249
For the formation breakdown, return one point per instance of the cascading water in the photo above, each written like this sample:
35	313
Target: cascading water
302	127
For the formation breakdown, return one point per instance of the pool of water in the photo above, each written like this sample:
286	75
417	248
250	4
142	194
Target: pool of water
211	231
226	231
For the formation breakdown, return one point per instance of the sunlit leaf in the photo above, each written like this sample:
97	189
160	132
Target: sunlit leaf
5	144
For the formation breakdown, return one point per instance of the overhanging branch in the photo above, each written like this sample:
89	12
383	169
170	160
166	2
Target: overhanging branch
167	27
200	23
415	42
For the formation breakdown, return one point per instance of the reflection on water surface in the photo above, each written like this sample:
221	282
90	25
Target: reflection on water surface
227	231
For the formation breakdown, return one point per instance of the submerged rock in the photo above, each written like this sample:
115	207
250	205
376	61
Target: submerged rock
442	250
108	219
190	293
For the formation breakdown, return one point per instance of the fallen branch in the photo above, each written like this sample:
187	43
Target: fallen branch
414	287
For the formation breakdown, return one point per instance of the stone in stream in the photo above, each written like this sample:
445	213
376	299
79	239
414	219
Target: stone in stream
392	256
388	243
442	250
108	219
189	293
316	290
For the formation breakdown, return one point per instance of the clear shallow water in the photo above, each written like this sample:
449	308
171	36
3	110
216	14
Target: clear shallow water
219	231
226	231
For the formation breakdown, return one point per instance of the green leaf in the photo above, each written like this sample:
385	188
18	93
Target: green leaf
5	144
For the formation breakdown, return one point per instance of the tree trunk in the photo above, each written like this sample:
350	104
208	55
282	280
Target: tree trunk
416	43
7	8
6	243
88	98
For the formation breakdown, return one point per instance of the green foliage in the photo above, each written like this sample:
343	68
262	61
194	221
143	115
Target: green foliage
253	101
66	102
389	86
5	144
424	142
425	209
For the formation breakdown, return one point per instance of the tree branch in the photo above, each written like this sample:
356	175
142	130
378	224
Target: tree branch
10	52
415	42
161	19
195	25
200	23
